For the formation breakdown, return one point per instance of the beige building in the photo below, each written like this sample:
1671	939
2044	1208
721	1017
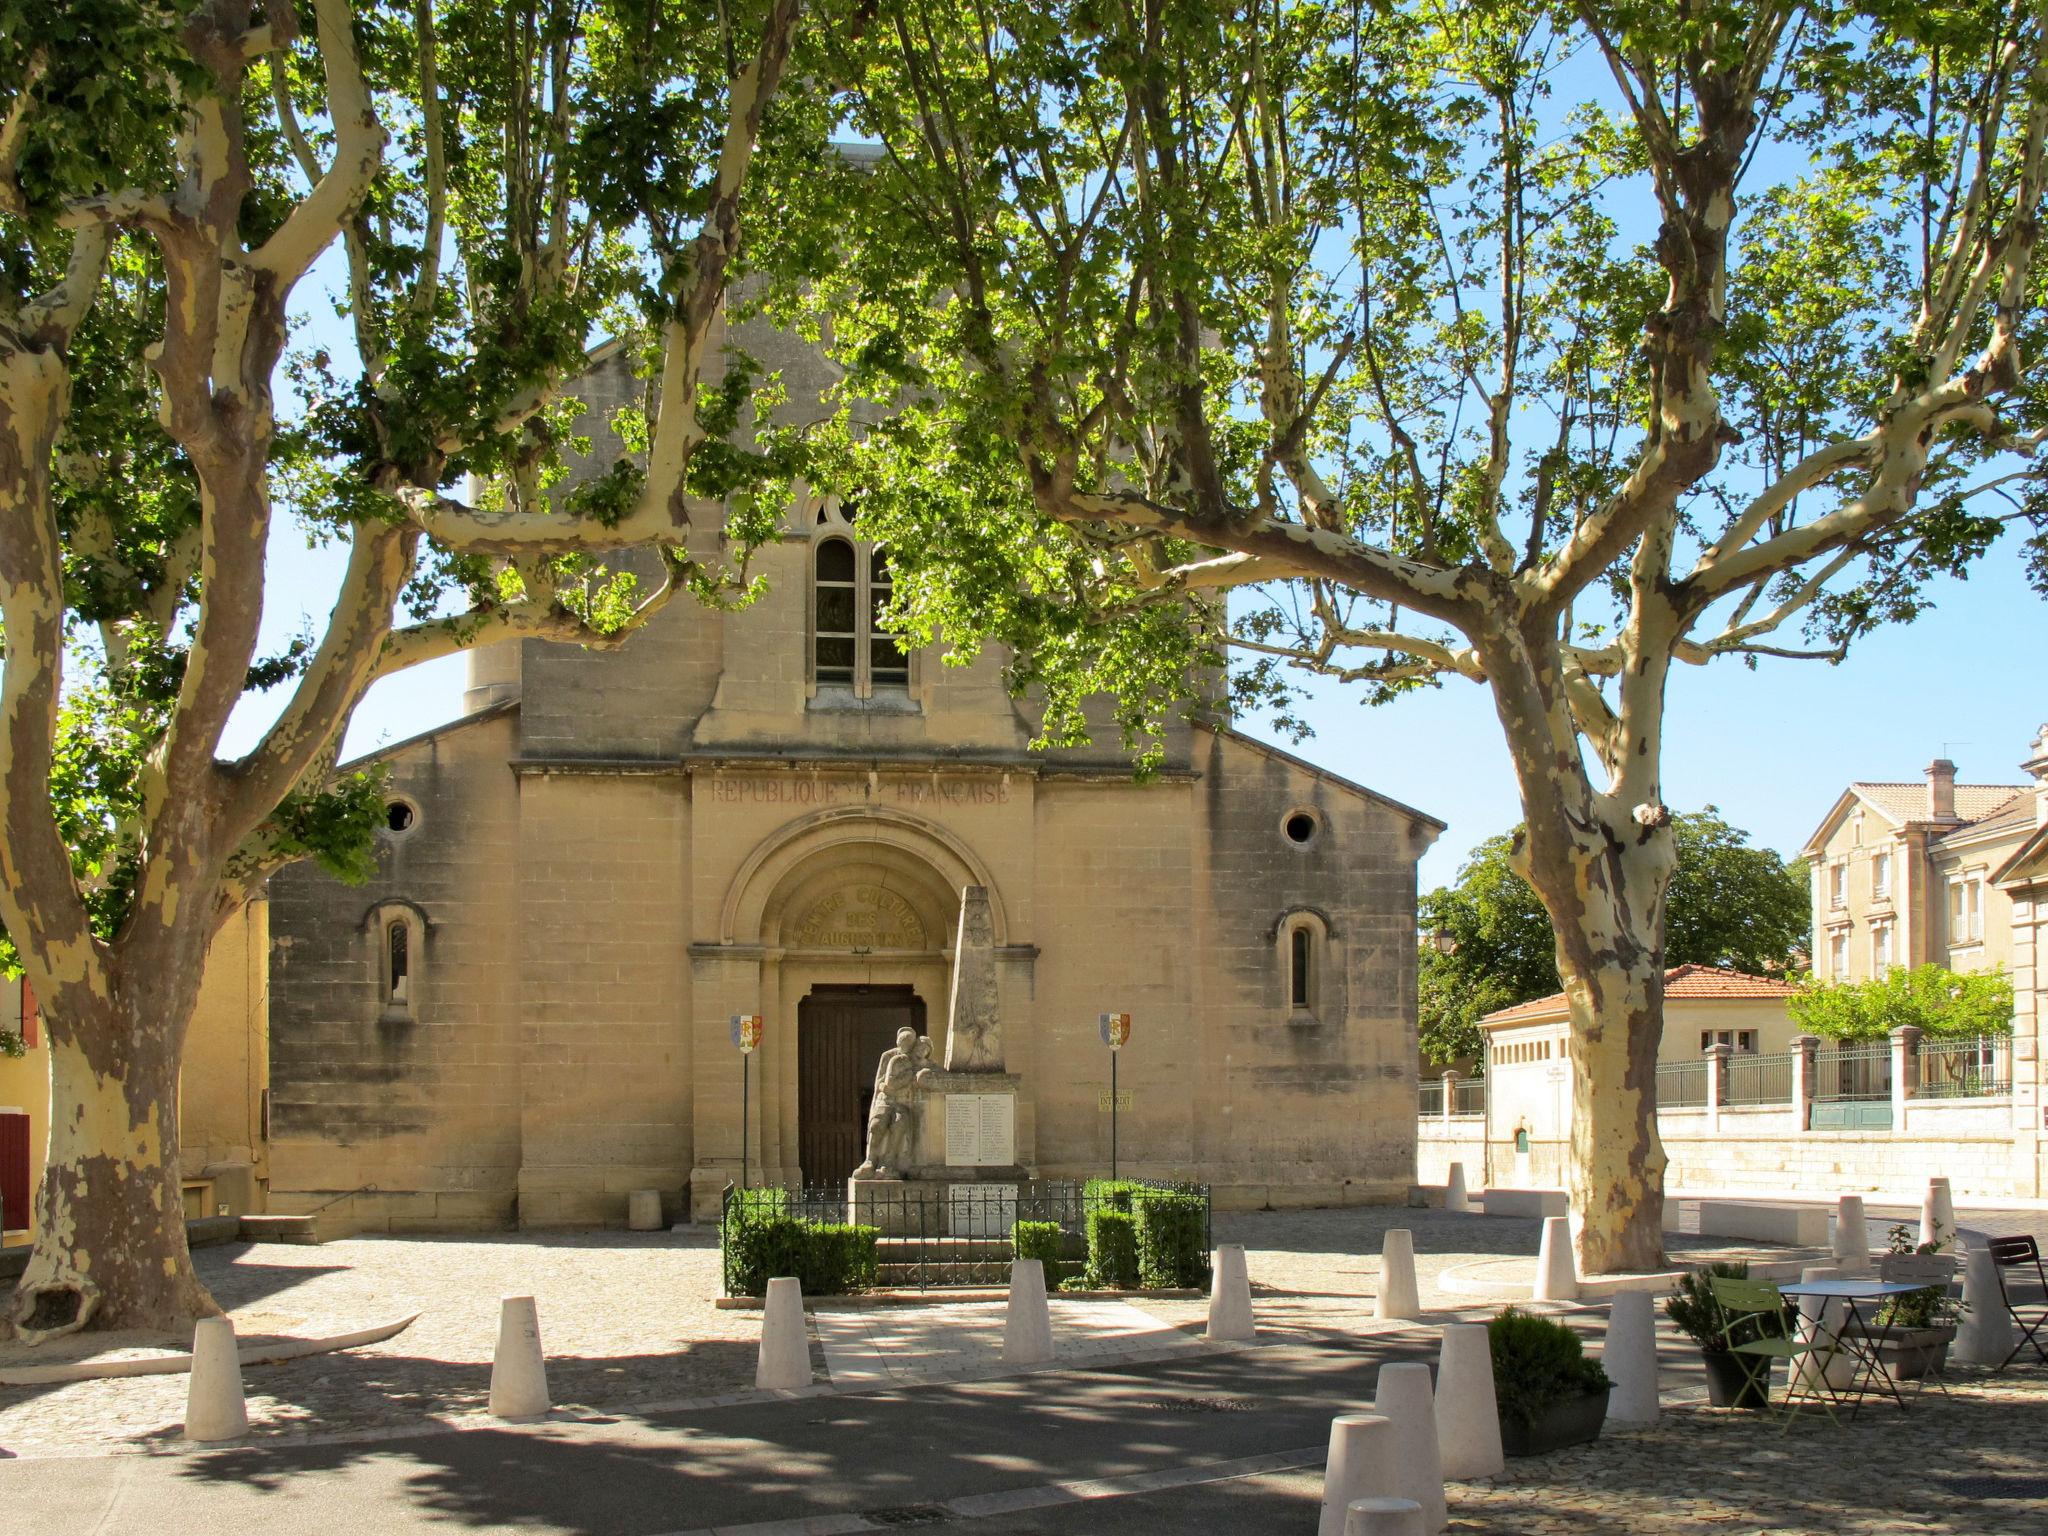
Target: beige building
1529	1066
1904	875
774	812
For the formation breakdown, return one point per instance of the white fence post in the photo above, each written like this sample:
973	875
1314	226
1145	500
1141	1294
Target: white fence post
1905	1072
1805	1068
1717	1085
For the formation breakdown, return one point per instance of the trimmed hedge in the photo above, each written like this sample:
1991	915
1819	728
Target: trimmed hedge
1112	1249
1039	1240
1111	1194
1536	1363
761	1241
1173	1240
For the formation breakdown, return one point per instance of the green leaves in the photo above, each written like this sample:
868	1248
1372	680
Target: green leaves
1937	1001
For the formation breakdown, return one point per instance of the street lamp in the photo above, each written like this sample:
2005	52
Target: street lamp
1442	940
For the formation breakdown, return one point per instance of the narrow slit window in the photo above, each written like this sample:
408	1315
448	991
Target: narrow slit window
398	961
1301	962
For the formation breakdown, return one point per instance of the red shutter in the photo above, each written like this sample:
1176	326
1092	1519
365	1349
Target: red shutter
14	1170
29	1021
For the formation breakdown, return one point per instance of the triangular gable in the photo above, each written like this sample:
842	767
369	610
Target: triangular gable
1350	786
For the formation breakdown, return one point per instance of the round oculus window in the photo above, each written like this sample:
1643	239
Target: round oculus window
1301	828
399	816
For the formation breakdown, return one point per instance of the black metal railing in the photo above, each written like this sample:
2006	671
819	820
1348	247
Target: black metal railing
1752	1079
1682	1085
1429	1098
1468	1096
1857	1071
1976	1068
931	1235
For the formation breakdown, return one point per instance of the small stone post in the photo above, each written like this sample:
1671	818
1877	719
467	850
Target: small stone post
1230	1297
1027	1327
1360	1466
1385	1517
1805	1070
1986	1334
1905	1072
1557	1275
519	1372
643	1210
1467	1414
1852	1233
1398	1296
1450	1091
1938	1214
1455	1197
1717	1084
1402	1397
785	1361
214	1409
1629	1357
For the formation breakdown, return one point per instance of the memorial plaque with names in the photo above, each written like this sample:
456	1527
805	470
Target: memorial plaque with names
981	1130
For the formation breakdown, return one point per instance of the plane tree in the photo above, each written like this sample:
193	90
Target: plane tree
449	202
1547	347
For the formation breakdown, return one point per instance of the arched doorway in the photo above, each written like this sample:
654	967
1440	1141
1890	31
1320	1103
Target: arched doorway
841	1032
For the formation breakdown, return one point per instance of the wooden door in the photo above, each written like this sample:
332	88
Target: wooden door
841	1033
15	1172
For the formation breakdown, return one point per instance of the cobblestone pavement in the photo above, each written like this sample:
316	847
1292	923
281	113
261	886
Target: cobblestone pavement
625	1318
877	1346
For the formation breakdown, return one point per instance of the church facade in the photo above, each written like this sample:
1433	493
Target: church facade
611	857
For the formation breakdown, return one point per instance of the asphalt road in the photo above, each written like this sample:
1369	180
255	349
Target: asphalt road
980	1446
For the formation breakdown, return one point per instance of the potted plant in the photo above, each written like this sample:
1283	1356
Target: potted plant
1692	1308
1549	1394
1914	1331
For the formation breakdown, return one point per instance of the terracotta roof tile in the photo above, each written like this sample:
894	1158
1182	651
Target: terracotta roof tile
1681	981
1908	802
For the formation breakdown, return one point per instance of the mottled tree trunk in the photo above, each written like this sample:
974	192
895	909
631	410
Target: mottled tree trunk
110	1222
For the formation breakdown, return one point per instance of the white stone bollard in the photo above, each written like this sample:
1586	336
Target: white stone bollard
1230	1297
1455	1198
1852	1231
1629	1356
1938	1214
1403	1398
1385	1517
643	1211
1557	1276
1027	1326
785	1363
1986	1334
1398	1296
1819	1320
519	1371
1467	1416
1360	1466
214	1409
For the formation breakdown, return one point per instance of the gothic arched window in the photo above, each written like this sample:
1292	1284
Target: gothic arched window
851	646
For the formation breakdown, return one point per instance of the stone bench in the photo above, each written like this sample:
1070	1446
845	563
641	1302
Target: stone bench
1525	1202
1792	1226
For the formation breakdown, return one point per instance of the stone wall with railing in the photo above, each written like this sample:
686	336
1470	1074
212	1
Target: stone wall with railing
1863	1115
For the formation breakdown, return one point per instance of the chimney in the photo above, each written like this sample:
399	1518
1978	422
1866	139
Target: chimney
1941	790
2037	765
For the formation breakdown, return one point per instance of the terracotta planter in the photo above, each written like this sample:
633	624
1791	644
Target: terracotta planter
1575	1421
1728	1385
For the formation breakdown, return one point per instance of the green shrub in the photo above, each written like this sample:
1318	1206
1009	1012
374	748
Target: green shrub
1537	1362
1173	1239
1693	1310
760	1247
1110	1194
761	1241
1113	1249
837	1258
1039	1240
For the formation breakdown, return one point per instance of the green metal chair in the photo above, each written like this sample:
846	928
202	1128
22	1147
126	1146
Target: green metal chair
1752	1312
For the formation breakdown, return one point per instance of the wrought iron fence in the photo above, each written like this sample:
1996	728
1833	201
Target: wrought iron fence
1429	1098
1469	1096
1857	1071
1976	1068
1752	1079
1682	1085
931	1235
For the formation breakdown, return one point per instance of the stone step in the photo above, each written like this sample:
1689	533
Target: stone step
279	1229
